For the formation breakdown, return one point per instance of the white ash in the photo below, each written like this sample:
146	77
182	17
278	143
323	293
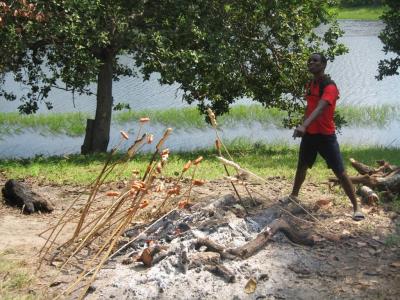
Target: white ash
168	280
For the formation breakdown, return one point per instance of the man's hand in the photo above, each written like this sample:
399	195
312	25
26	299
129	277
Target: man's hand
299	131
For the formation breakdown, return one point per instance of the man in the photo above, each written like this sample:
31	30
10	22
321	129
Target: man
318	131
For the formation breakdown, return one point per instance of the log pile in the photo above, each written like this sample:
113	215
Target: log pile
384	178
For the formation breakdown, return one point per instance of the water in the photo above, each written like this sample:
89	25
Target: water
354	74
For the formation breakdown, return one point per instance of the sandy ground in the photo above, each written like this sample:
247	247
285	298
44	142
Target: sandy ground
362	264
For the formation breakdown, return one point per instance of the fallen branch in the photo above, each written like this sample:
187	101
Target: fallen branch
221	271
259	242
250	248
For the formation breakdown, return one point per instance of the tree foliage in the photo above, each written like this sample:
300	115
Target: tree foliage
390	37
218	51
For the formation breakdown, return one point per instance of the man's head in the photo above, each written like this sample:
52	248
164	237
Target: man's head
317	63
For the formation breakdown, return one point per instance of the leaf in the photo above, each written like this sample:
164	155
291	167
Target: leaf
250	286
146	257
322	203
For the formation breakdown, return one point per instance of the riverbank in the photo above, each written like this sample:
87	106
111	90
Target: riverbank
73	124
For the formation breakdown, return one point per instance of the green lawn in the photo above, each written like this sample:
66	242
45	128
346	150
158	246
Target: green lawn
262	159
361	13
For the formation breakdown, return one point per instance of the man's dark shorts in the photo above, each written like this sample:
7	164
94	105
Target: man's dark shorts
326	145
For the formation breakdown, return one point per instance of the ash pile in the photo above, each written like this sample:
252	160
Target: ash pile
211	250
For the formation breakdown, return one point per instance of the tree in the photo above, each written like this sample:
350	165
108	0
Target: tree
390	37
218	51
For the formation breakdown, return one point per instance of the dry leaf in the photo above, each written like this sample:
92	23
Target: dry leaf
146	257
250	286
323	203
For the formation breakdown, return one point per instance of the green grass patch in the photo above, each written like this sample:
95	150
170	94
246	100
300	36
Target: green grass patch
73	124
370	116
367	13
190	117
15	278
263	159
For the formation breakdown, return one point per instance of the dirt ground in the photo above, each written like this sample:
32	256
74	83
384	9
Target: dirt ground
364	263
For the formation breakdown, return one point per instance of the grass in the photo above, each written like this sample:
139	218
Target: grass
262	159
73	124
370	116
15	279
370	13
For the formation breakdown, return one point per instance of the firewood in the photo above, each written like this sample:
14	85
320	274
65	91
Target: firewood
368	196
221	271
362	168
250	248
214	247
390	182
385	167
204	258
17	194
294	235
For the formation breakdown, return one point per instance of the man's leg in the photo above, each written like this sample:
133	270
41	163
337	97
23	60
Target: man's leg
348	188
330	151
301	173
307	156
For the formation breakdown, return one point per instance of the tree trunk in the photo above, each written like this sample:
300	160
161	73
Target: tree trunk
98	134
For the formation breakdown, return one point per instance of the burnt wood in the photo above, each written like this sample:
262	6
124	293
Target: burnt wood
17	194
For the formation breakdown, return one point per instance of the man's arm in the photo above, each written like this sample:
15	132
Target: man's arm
301	129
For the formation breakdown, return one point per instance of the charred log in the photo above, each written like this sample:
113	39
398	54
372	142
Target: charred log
221	271
279	225
214	247
17	194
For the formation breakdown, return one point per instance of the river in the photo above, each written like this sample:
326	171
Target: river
353	72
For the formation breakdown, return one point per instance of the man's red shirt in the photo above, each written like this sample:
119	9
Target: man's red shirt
324	124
